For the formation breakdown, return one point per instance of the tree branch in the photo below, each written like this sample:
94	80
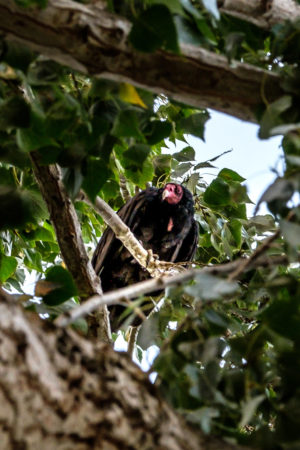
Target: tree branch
79	394
144	287
95	42
65	221
262	13
145	258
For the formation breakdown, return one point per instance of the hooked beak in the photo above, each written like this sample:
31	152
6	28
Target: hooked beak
165	194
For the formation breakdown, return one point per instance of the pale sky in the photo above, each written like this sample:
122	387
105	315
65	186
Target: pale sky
251	157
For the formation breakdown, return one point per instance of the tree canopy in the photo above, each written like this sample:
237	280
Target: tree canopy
91	95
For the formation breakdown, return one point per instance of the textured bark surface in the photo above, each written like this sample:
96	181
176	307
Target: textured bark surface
263	13
59	391
68	232
90	40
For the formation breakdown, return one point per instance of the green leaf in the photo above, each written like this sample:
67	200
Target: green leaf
162	165
8	265
291	232
6	176
154	29
249	408
181	169
293	159
277	194
29	139
271	117
140	175
32	3
173	5
40	234
126	125
17	55
192	182
96	175
209	287
157	131
206	31
195	123
233	43
230	175
67	289
187	32
14	112
217	193
45	72
218	321
203	165
136	155
21	207
235	227
72	179
187	154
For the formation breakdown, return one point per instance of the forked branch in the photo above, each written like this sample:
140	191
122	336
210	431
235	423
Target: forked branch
121	296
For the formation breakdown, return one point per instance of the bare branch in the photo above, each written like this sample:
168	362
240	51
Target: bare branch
124	190
262	248
95	42
68	232
145	287
132	340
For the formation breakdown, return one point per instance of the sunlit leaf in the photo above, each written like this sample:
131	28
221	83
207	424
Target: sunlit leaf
129	94
8	265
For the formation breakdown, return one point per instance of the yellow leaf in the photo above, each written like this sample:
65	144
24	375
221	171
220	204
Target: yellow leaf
129	94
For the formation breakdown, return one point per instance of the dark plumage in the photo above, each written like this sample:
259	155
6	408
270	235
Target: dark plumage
162	220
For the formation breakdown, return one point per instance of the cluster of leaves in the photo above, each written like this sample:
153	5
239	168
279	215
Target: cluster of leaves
228	358
231	366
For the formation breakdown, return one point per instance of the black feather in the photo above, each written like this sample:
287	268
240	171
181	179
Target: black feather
148	217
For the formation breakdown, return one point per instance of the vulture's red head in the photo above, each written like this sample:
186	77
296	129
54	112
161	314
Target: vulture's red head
172	193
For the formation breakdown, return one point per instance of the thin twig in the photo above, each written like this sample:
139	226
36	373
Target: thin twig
132	340
124	190
265	245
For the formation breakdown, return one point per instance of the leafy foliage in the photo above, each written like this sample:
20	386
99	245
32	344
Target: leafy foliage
229	358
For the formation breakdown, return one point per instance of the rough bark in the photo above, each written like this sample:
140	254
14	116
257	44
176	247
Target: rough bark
90	40
68	232
59	391
263	13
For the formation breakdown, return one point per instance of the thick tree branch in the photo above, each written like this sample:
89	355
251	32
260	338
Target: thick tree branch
145	287
78	395
65	221
95	42
262	13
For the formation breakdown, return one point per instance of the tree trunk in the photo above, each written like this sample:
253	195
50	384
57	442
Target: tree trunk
60	391
91	40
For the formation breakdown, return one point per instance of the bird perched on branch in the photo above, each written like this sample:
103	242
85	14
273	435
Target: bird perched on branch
162	220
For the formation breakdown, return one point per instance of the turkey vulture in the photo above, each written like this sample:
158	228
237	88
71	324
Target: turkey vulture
162	220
